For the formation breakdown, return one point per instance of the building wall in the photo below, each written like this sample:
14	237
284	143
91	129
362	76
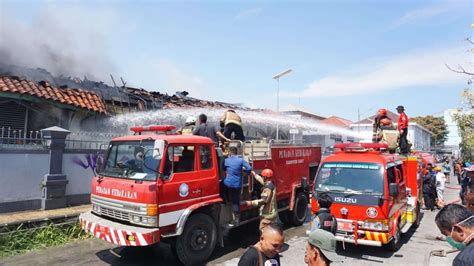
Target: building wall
417	135
22	173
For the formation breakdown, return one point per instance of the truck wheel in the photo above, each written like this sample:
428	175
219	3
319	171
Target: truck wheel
418	217
396	242
284	217
300	210
198	240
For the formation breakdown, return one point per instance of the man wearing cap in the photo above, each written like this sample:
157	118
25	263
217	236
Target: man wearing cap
402	127
321	249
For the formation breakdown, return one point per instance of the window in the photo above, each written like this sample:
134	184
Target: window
350	177
206	156
131	159
336	137
400	168
391	175
179	159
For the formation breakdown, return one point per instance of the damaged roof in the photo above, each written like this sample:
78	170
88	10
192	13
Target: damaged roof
76	97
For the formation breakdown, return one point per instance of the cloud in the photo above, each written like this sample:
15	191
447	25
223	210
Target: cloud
153	73
418	68
428	12
248	13
68	41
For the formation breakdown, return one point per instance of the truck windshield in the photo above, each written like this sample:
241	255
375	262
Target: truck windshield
353	178
131	160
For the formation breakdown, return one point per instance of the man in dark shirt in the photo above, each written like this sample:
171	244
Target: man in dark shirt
456	222
402	127
324	219
205	130
265	252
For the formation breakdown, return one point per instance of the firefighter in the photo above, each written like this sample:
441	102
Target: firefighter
402	127
429	188
267	202
232	123
189	126
381	121
324	219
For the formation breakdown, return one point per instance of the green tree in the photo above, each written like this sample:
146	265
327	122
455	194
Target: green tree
465	120
436	125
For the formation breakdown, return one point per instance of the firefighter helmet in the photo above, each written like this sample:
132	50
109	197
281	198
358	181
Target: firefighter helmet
385	122
267	173
190	120
382	111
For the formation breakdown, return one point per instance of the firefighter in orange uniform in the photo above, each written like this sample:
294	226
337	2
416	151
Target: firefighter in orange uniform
381	121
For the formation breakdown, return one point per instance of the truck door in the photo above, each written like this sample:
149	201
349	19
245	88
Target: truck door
402	192
208	170
181	183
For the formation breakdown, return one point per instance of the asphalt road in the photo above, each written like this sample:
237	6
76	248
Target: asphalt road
415	250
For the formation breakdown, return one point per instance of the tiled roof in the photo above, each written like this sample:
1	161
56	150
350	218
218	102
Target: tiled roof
337	121
369	120
76	97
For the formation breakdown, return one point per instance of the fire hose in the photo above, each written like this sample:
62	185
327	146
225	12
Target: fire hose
438	253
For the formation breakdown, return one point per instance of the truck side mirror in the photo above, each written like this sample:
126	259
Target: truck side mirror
393	189
304	182
158	149
98	165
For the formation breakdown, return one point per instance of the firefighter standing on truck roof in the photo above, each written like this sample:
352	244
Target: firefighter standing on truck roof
232	123
189	126
267	202
402	127
381	121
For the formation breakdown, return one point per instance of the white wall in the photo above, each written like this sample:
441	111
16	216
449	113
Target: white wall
417	135
21	175
79	177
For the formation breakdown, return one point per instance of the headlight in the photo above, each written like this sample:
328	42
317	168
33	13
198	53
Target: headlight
96	209
136	219
376	225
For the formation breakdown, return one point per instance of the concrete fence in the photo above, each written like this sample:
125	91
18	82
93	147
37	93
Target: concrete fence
53	172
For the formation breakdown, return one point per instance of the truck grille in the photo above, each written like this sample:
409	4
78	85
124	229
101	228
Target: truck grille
115	214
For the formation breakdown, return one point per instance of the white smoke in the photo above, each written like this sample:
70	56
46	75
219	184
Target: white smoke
64	39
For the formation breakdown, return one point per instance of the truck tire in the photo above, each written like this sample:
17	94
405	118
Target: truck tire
396	242
198	240
417	222
284	217
300	210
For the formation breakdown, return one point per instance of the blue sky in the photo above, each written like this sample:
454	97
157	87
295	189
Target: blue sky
345	55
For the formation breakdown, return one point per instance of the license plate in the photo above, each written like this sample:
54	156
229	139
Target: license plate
344	226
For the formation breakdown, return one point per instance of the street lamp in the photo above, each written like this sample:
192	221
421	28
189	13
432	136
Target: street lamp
277	77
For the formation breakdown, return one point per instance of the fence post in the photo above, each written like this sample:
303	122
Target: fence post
54	183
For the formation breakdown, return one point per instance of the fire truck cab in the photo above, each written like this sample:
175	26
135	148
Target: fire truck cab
162	187
376	195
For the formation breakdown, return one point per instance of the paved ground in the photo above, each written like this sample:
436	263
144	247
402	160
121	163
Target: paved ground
417	245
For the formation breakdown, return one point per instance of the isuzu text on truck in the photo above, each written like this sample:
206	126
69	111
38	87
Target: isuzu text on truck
376	194
159	187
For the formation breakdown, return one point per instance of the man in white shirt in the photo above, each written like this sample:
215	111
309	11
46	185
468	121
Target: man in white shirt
440	182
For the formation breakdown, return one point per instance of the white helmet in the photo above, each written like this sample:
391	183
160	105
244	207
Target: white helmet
190	120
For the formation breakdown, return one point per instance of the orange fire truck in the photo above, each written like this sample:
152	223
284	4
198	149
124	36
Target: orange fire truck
155	186
376	195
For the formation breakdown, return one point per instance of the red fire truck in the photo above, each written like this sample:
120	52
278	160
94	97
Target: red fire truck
155	186
376	195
